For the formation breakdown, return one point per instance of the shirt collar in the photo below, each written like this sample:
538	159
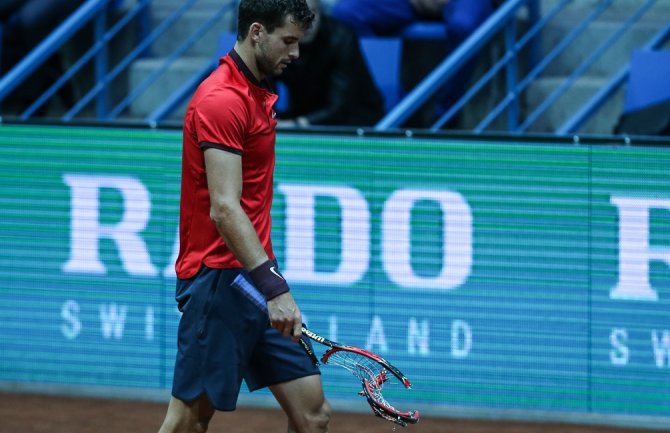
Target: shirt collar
264	84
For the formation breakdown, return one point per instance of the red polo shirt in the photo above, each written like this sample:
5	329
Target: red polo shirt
230	111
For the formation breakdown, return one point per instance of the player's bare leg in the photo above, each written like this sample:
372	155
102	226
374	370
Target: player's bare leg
304	403
187	417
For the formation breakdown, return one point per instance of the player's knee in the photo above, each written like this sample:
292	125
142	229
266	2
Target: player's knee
200	427
202	423
319	418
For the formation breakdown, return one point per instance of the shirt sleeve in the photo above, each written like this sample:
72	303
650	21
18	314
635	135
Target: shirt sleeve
220	121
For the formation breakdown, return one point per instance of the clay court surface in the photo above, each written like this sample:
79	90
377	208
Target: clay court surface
26	413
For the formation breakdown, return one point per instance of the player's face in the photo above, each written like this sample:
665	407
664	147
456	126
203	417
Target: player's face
279	48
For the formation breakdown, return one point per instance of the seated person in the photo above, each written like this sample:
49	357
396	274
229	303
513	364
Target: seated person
390	17
330	83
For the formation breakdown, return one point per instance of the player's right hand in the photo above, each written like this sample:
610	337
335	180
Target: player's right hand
285	316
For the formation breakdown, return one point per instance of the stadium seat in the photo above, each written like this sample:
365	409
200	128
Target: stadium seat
649	80
383	56
647	101
226	43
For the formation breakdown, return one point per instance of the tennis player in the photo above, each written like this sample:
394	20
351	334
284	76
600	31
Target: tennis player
226	195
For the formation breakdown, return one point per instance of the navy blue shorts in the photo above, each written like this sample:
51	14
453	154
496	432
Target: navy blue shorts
225	337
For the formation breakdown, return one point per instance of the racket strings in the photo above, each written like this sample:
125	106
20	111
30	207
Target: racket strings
376	394
383	409
373	375
360	366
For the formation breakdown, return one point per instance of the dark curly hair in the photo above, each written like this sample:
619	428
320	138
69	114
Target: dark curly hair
272	14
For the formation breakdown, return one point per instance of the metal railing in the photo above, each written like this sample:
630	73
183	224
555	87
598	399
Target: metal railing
96	14
505	15
587	110
178	96
90	10
505	20
521	63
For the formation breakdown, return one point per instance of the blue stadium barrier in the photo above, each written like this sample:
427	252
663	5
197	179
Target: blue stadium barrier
383	56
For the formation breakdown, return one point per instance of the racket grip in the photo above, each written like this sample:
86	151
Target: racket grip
308	350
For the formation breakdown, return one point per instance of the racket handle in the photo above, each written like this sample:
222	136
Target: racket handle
308	350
